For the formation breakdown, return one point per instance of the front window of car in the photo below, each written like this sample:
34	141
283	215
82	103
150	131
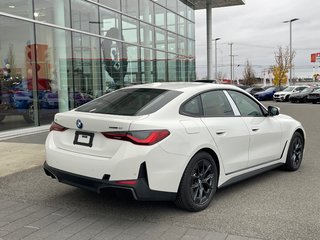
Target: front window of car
130	102
246	105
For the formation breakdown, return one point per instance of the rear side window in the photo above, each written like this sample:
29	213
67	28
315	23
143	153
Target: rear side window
130	102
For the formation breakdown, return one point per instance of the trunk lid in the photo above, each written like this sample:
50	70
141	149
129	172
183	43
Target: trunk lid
84	132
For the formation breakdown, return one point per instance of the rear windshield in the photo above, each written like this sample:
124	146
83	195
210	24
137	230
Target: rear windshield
130	102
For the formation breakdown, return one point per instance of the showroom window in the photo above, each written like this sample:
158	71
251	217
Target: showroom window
55	12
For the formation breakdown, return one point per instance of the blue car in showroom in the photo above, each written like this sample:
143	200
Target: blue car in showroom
267	94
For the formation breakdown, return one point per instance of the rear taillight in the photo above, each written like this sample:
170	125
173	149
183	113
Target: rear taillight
149	137
57	127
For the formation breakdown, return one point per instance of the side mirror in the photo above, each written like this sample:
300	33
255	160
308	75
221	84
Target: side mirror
273	111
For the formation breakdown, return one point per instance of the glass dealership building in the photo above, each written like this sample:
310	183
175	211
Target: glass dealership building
57	55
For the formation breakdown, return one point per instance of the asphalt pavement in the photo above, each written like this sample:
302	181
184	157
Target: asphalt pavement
273	205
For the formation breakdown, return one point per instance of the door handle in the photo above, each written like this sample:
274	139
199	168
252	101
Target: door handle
254	129
220	132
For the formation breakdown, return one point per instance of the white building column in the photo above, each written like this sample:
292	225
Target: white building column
60	57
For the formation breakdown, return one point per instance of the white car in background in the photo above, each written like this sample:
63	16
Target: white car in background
171	141
284	95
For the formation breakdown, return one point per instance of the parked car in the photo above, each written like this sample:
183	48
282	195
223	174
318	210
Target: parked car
17	99
171	141
283	96
314	97
267	94
302	96
253	90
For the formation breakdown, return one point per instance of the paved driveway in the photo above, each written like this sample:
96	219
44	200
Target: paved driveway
274	205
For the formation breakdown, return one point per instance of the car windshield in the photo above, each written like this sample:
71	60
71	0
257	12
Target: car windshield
306	90
317	90
288	89
130	102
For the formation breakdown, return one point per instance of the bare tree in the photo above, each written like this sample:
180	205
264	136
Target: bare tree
248	75
221	76
283	64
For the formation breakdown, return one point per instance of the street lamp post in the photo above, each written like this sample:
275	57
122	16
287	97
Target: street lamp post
215	58
290	22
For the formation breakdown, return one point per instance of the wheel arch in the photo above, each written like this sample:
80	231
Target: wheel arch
213	155
299	130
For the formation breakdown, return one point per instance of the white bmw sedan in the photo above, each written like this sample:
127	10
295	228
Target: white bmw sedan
171	141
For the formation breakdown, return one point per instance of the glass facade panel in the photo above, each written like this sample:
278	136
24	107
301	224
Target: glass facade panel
172	42
130	7
147	66
172	5
85	16
171	21
115	4
161	69
22	8
130	29
182	46
17	82
160	16
160	39
162	2
146	11
53	55
133	74
86	68
172	68
182	30
110	24
146	34
115	63
45	69
182	9
56	12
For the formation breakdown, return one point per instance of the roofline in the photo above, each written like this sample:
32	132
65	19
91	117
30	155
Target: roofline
201	4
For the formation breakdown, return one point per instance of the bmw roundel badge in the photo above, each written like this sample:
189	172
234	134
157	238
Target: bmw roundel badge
79	124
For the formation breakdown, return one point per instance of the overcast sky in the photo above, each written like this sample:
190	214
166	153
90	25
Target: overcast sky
256	30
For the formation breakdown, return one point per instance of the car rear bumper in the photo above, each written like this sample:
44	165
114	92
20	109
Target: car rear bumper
140	191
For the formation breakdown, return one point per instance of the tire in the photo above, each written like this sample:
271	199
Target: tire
2	117
198	183
314	102
287	98
295	152
29	115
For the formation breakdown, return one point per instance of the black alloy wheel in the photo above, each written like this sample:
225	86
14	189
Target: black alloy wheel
295	152
198	184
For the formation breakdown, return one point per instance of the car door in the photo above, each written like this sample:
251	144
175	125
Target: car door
229	132
266	143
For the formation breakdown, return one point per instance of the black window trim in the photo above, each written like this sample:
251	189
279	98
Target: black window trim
201	105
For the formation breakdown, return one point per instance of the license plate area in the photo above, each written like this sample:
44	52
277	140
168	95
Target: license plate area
83	139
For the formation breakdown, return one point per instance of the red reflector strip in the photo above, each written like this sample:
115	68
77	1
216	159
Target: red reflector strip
127	182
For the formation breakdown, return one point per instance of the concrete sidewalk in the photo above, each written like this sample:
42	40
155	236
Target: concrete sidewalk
19	153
